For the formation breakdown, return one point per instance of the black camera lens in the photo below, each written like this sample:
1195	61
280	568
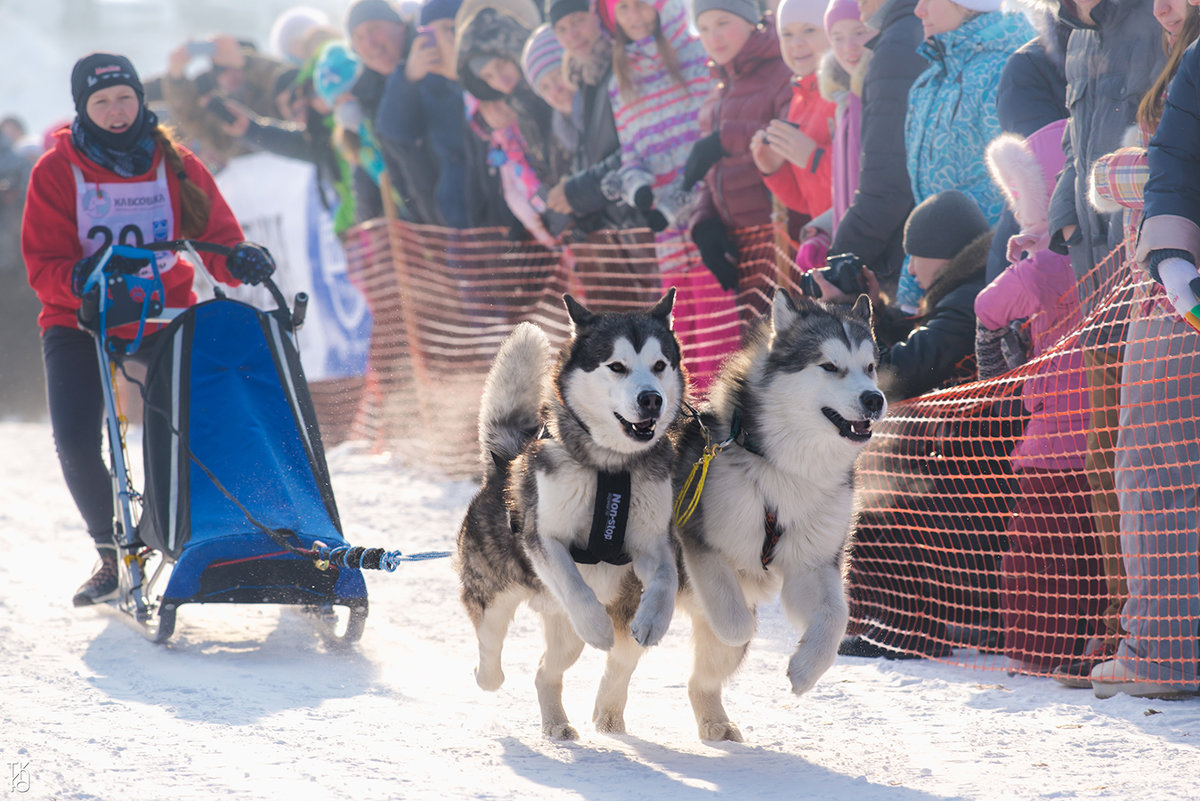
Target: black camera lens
808	286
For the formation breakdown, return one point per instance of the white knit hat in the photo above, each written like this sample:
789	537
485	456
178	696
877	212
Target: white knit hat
792	11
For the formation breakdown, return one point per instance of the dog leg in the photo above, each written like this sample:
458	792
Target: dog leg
609	713
490	630
563	647
558	572
714	662
815	603
659	576
719	593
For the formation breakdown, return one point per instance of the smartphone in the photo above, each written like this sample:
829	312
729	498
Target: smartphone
201	49
217	106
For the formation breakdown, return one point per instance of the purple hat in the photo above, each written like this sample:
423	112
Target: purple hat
542	54
839	10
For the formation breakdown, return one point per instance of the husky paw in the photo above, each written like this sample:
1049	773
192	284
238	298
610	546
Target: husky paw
649	626
594	626
718	730
803	672
610	722
489	678
559	731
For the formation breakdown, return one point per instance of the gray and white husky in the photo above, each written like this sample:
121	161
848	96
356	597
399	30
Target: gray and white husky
794	407
549	434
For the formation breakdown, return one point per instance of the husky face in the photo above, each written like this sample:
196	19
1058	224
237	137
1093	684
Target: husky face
822	364
621	377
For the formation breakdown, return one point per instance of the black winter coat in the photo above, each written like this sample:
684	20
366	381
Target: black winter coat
873	226
934	351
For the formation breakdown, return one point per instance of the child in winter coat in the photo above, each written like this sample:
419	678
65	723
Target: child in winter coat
840	81
659	83
753	87
491	36
1051	593
793	154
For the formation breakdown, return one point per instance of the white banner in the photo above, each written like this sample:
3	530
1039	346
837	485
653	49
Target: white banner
276	201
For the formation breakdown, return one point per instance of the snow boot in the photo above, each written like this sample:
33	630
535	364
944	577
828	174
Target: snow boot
103	584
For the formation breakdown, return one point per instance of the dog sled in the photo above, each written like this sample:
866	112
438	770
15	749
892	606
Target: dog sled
237	505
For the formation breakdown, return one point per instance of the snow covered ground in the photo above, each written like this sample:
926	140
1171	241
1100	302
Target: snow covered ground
246	703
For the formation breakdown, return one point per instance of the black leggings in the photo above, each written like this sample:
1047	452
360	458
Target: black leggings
76	401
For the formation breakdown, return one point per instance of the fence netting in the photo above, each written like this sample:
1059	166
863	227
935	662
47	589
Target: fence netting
1005	523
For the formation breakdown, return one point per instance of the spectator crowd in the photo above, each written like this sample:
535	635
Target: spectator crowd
969	167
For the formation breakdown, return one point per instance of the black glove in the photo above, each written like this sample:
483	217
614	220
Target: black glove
89	310
643	201
116	264
717	251
705	153
250	263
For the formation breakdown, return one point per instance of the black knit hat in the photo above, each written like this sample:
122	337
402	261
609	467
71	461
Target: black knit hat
942	225
98	71
361	11
557	9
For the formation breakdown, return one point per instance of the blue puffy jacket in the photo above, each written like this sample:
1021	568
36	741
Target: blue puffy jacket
952	108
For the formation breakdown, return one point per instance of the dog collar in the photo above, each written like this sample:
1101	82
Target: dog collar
606	542
741	435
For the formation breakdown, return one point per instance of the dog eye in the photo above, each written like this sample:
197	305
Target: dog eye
659	366
617	368
828	367
871	369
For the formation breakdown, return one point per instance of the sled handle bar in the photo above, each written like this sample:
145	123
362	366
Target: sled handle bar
177	245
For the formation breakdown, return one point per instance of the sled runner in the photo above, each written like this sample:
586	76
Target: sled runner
237	505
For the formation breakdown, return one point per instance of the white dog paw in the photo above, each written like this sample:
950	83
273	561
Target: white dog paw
594	626
719	730
649	626
559	731
804	671
489	677
610	722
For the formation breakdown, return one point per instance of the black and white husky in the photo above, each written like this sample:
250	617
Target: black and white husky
775	514
574	514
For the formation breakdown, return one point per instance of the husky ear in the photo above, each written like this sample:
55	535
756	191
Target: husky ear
785	311
662	309
862	308
581	318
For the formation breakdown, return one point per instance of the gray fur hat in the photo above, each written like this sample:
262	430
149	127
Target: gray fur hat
942	225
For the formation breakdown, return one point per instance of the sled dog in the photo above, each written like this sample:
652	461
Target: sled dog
793	407
574	513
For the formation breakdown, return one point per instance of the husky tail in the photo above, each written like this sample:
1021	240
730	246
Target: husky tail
509	411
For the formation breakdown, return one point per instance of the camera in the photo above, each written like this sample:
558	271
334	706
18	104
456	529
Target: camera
843	270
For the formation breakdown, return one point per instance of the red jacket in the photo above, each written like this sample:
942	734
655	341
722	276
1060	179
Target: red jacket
751	90
50	238
808	189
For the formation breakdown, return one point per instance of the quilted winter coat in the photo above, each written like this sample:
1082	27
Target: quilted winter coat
750	91
952	108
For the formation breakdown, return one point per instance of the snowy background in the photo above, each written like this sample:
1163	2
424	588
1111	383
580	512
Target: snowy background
245	701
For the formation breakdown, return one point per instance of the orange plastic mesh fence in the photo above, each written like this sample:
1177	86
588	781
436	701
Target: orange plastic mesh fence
1006	524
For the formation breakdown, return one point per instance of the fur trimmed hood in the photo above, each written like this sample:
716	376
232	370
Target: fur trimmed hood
832	79
491	29
1026	171
969	265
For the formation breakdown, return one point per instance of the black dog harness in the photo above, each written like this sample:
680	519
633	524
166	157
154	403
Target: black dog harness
606	541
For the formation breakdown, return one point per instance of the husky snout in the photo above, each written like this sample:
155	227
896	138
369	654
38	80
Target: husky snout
650	404
872	403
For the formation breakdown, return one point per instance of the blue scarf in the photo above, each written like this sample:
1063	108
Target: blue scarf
128	154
